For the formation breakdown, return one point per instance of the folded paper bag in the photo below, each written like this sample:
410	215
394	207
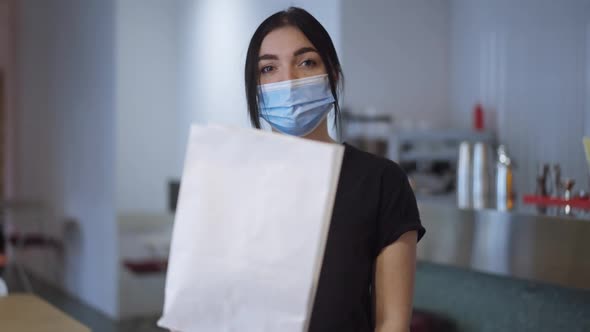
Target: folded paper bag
250	229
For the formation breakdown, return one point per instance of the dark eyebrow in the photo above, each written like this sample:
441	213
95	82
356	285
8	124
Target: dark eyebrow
300	51
304	50
268	57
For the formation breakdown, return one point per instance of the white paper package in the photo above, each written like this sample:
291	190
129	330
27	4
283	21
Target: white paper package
250	230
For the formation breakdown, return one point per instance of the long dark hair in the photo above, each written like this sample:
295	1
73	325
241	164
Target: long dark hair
317	35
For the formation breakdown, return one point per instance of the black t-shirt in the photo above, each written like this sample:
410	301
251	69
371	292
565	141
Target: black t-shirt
374	206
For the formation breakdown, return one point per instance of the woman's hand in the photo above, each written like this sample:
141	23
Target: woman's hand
394	284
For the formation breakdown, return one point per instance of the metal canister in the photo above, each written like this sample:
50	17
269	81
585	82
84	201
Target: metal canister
504	181
464	176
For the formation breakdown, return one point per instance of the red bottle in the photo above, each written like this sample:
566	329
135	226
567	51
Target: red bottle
478	117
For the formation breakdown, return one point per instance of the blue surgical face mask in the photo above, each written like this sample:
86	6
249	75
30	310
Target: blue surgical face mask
296	107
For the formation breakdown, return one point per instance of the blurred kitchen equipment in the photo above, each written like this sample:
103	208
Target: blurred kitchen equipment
411	146
464	175
369	131
504	181
426	183
556	181
481	181
431	158
542	178
568	185
541	190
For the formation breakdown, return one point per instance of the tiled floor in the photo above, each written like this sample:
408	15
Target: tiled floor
95	320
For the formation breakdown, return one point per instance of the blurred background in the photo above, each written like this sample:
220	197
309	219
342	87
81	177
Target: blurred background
97	96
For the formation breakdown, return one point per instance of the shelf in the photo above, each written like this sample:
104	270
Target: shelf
575	203
445	135
442	155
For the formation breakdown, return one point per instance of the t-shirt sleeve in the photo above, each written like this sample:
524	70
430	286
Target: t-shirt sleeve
398	211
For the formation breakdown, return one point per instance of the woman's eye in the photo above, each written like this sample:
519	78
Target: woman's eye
266	69
308	63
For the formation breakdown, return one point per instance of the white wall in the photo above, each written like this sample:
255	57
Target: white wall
180	62
66	132
148	67
395	58
587	131
527	63
148	153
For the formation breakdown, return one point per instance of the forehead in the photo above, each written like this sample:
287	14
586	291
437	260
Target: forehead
284	41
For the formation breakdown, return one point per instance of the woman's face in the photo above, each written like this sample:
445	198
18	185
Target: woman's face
286	54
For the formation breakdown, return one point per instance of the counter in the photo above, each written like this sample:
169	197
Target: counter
541	248
26	312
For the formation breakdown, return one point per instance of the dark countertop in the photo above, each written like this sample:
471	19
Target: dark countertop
475	301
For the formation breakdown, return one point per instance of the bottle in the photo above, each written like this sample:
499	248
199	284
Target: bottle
504	181
478	118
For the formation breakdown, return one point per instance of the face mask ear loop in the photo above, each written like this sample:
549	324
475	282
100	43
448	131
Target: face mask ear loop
260	101
338	124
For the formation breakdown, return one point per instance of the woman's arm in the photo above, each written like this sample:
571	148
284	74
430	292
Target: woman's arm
394	284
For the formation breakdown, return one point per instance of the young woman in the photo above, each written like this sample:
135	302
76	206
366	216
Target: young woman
293	77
